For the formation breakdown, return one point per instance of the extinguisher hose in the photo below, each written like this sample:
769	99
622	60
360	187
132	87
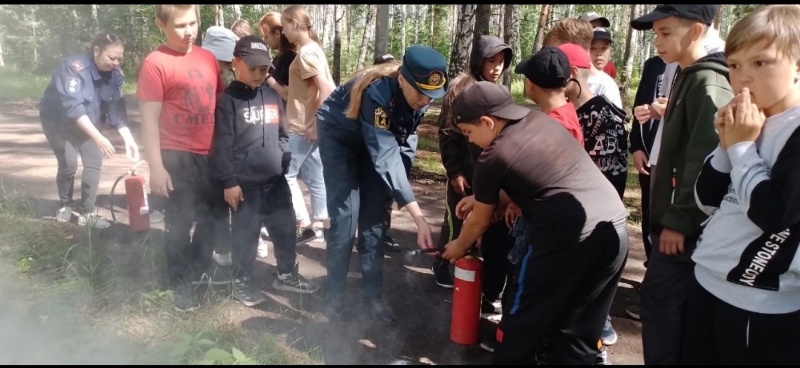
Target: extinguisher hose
132	171
111	199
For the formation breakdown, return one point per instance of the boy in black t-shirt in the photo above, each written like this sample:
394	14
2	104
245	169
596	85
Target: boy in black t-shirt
577	224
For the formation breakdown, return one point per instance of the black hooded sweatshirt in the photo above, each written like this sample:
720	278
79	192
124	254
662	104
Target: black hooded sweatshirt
458	155
250	147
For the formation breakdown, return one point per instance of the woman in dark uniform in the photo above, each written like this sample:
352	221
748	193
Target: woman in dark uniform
367	140
85	91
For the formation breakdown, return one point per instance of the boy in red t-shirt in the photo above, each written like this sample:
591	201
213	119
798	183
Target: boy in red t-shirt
546	77
177	88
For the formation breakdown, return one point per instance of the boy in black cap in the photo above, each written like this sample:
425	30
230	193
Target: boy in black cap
546	77
249	157
578	226
601	51
699	90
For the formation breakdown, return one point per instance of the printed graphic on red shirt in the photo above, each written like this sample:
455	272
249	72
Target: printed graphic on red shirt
188	96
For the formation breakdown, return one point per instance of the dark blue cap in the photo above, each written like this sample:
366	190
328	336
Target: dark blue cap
426	70
701	13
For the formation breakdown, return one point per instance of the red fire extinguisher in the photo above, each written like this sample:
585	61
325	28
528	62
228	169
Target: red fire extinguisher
466	313
136	198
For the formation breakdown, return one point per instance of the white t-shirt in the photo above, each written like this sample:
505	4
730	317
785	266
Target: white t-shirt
601	84
712	43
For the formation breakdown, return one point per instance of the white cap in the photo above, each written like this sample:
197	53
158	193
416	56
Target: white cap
220	41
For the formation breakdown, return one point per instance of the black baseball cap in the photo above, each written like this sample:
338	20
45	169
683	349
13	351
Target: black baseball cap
700	13
601	33
253	51
385	58
592	16
547	68
486	99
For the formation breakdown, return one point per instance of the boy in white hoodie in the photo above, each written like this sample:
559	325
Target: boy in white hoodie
745	305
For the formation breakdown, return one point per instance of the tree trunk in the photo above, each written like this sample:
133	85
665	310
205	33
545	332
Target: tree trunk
501	25
237	11
431	13
2	59
544	15
366	37
382	30
509	36
95	19
337	45
459	54
403	27
630	51
718	17
416	24
219	17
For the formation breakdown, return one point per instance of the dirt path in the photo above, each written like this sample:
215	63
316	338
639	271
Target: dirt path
422	332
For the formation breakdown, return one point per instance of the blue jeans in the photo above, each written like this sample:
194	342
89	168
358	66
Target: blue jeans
356	199
306	162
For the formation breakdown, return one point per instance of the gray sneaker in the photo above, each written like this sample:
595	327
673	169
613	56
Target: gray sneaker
246	292
295	283
183	299
93	220
64	214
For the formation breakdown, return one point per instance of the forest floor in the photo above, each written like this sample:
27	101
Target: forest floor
88	297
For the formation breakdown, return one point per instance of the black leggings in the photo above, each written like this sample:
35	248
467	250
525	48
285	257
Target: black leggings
67	142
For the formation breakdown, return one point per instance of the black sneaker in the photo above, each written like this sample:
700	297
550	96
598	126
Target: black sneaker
391	244
335	308
295	283
183	299
305	235
379	311
492	307
214	276
602	357
246	292
441	274
489	344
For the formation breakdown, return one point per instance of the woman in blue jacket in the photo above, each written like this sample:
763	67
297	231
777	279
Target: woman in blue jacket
367	140
85	90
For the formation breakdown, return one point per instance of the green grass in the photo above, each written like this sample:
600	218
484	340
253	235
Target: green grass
109	283
430	163
16	84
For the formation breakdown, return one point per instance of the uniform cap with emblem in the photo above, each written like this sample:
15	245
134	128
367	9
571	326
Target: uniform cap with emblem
426	70
253	51
220	41
486	99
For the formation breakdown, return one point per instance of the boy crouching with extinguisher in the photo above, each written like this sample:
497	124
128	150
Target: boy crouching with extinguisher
249	157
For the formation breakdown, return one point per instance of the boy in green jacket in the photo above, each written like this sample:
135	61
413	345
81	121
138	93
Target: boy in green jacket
699	89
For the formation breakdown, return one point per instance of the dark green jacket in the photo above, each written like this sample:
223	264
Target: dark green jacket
688	137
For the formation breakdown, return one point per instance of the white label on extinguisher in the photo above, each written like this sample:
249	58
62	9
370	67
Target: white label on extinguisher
145	209
465	275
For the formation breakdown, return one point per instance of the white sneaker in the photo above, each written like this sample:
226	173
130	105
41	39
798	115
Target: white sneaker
93	220
223	260
64	214
156	217
320	234
263	248
264	233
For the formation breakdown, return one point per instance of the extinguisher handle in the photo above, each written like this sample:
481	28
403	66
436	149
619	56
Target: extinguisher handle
136	166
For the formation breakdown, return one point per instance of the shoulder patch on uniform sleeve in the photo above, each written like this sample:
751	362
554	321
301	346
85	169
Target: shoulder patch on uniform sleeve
77	66
381	120
72	84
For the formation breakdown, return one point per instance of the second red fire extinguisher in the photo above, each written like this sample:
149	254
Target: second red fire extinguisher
466	313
